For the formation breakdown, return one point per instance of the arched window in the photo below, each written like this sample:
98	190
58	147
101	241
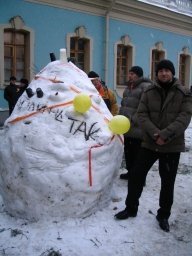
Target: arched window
124	53
14	55
80	46
17	51
157	53
122	63
78	51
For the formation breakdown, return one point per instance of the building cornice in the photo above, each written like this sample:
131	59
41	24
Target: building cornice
129	11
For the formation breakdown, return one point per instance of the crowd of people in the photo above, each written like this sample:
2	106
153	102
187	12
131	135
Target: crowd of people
159	113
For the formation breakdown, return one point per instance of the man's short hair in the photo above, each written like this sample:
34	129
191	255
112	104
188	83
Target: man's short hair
13	78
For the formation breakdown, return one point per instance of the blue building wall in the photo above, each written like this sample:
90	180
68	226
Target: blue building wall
144	38
52	24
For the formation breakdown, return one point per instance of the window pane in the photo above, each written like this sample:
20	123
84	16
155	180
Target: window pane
80	66
8	51
80	57
81	45
19	39
8	63
72	54
155	65
124	51
182	59
19	74
183	68
19	52
8	38
123	71
7	74
157	56
123	80
124	62
72	45
19	64
118	50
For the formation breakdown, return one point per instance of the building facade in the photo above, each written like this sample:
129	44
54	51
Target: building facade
105	36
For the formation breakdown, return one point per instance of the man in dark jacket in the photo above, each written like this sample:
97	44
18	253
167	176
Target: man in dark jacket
136	85
11	94
164	113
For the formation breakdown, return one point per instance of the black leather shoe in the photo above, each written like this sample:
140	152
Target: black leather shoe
163	223
124	215
124	176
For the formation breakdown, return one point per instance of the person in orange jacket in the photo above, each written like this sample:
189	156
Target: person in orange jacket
107	95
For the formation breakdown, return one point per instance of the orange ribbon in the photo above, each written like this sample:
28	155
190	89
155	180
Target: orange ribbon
90	163
39	111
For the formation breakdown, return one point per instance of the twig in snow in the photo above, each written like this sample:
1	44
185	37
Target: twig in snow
51	252
179	238
15	232
94	242
97	240
6	249
59	238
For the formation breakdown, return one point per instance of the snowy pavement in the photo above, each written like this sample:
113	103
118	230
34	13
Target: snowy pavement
100	234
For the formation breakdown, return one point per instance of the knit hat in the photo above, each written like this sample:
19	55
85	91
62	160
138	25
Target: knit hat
13	78
24	81
165	64
92	74
137	70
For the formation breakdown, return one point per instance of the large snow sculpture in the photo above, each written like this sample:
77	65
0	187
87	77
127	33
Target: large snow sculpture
56	162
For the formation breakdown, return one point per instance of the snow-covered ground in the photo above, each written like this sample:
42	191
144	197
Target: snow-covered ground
100	234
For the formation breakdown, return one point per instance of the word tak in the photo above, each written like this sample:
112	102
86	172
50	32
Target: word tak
82	127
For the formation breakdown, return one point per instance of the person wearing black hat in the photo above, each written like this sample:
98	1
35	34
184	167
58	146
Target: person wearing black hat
164	113
136	85
11	93
107	95
23	85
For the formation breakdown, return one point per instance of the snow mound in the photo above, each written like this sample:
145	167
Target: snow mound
56	162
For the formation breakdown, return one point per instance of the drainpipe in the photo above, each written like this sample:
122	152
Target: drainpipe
107	39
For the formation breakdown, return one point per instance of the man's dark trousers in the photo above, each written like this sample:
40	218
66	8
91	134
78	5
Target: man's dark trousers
168	164
131	149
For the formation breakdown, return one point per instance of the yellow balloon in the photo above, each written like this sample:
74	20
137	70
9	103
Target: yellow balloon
82	103
119	124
